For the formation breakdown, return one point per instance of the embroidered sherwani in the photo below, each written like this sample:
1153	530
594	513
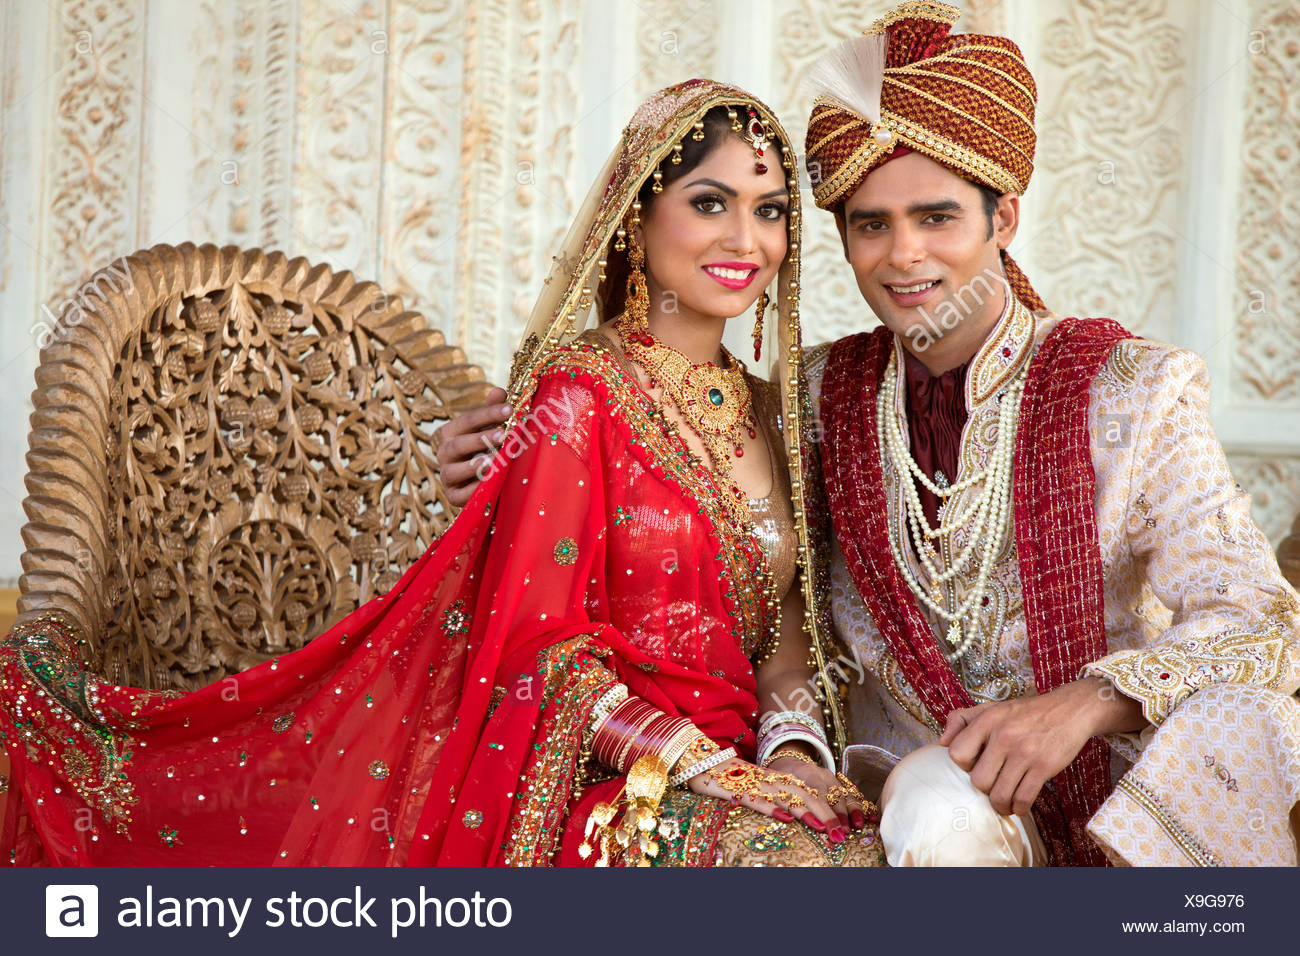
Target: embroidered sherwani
1201	627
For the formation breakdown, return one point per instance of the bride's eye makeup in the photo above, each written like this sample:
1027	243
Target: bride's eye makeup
703	202
711	203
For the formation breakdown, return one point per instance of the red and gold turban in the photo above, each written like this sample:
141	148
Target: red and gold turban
965	100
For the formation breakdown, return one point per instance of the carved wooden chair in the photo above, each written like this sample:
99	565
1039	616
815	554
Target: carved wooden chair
230	450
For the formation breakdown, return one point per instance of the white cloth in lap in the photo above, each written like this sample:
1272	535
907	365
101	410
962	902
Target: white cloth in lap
932	815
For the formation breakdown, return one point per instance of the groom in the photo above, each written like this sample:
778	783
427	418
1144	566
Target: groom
1068	627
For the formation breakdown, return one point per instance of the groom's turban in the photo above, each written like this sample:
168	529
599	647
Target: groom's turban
965	100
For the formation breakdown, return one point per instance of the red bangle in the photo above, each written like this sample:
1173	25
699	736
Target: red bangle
618	728
633	729
657	735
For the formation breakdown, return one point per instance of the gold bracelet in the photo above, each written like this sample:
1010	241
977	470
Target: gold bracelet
776	755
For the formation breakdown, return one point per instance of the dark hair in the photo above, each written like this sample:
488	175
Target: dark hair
611	295
990	197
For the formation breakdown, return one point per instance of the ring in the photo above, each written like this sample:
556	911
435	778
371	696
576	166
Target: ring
835	793
848	788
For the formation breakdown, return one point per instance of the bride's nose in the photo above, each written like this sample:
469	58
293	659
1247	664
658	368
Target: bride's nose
739	236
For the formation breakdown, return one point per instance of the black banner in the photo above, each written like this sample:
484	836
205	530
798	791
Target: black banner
651	911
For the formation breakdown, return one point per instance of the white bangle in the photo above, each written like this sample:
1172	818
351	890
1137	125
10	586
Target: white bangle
608	701
772	741
682	742
708	763
789	717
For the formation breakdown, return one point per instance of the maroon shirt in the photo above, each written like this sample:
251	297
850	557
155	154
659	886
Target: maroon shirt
936	413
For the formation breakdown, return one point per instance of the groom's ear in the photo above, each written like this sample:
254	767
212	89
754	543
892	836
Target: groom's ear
844	235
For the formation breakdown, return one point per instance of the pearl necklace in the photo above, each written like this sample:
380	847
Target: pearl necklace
991	513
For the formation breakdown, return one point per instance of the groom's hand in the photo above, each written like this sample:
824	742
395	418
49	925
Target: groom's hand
1013	747
467	442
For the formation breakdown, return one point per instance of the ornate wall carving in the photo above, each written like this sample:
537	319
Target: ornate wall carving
1268	260
243	108
831	306
94	141
1113	76
417	239
341	65
677	39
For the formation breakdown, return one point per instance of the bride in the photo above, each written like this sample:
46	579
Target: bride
607	659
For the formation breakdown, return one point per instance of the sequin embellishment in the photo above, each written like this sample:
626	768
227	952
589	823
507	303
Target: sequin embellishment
455	620
566	552
284	722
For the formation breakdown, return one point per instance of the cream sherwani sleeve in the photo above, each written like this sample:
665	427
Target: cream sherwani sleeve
1214	657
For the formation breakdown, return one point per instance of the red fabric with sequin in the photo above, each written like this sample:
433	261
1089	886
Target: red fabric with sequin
402	734
1056	541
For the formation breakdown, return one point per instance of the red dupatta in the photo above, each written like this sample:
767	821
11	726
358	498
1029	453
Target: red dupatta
440	723
1056	542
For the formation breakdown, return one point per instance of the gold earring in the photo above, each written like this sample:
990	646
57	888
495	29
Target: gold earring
637	308
763	301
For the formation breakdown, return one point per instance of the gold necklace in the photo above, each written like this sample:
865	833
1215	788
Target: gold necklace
714	401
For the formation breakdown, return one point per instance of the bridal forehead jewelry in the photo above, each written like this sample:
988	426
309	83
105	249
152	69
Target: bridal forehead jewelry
755	133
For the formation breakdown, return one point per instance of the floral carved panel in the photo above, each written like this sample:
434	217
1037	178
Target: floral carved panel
1114	78
1266	365
95	140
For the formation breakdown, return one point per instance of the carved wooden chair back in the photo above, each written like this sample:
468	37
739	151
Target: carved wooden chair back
230	450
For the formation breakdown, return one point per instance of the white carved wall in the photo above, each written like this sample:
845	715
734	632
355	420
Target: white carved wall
440	146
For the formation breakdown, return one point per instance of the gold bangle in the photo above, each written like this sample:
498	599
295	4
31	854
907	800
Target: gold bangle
776	755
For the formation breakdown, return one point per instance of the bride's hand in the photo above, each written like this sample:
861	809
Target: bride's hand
771	791
845	800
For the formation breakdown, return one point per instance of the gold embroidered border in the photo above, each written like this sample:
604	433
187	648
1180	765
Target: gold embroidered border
1163	678
916	10
1017	334
53	704
548	780
1181	838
